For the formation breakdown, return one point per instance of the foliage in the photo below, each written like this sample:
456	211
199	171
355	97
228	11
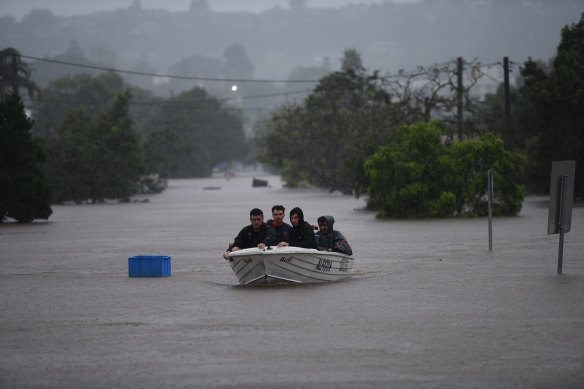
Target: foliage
465	176
417	175
47	71
558	98
193	133
24	193
15	74
185	135
520	134
96	159
325	140
92	94
432	92
237	63
406	175
351	61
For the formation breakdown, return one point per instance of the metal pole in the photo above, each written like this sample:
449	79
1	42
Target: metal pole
459	97
561	222
507	98
490	201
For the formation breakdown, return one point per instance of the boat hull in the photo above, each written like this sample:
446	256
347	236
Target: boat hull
289	265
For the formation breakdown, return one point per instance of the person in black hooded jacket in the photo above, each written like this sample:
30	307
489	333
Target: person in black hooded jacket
303	234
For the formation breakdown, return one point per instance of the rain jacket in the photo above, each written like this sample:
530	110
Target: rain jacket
282	233
303	234
248	238
333	240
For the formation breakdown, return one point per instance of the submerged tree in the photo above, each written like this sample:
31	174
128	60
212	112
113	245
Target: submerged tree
325	140
417	175
96	159
194	132
24	193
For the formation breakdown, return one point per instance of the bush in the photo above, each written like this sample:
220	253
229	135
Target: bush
418	176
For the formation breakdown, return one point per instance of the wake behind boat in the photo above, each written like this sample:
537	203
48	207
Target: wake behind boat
289	265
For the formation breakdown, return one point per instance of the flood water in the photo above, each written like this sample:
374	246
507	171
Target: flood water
428	305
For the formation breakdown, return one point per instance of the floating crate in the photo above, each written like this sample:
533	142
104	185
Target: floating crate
149	266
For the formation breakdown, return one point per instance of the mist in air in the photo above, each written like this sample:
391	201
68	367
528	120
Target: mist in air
280	37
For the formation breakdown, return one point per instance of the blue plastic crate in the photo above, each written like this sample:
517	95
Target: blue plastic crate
149	266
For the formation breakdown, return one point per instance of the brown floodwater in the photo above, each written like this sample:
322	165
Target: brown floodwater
428	305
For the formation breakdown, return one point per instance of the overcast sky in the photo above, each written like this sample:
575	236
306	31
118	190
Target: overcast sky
19	8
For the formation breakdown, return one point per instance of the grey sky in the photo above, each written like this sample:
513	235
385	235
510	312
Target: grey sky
19	8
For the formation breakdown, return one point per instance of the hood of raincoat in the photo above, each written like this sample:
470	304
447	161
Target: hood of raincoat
328	220
297	211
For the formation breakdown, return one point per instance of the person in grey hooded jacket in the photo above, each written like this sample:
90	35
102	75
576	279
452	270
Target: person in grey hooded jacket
328	239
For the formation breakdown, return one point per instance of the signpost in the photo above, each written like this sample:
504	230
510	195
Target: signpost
490	204
561	198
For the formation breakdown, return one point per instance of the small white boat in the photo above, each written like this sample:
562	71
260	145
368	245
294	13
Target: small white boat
289	265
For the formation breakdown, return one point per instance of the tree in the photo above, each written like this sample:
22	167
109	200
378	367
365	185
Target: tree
431	93
71	163
96	159
406	175
521	132
92	94
558	99
24	193
325	140
351	61
464	171
193	133
418	175
47	71
196	66
15	74
237	63
81	92
122	159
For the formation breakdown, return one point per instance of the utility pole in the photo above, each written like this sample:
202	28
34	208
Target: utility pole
459	96
507	98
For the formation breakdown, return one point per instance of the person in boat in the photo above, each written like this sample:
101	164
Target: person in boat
302	231
282	230
257	234
328	239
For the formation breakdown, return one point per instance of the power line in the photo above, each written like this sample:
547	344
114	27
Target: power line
401	74
174	76
174	102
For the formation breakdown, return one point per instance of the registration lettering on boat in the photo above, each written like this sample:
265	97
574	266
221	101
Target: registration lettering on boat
324	265
344	265
286	259
247	259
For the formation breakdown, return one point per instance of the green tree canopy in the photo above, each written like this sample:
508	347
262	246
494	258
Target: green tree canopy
558	98
406	176
325	140
96	159
24	193
418	175
194	132
92	94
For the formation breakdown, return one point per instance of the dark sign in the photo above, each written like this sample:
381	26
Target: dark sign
561	196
